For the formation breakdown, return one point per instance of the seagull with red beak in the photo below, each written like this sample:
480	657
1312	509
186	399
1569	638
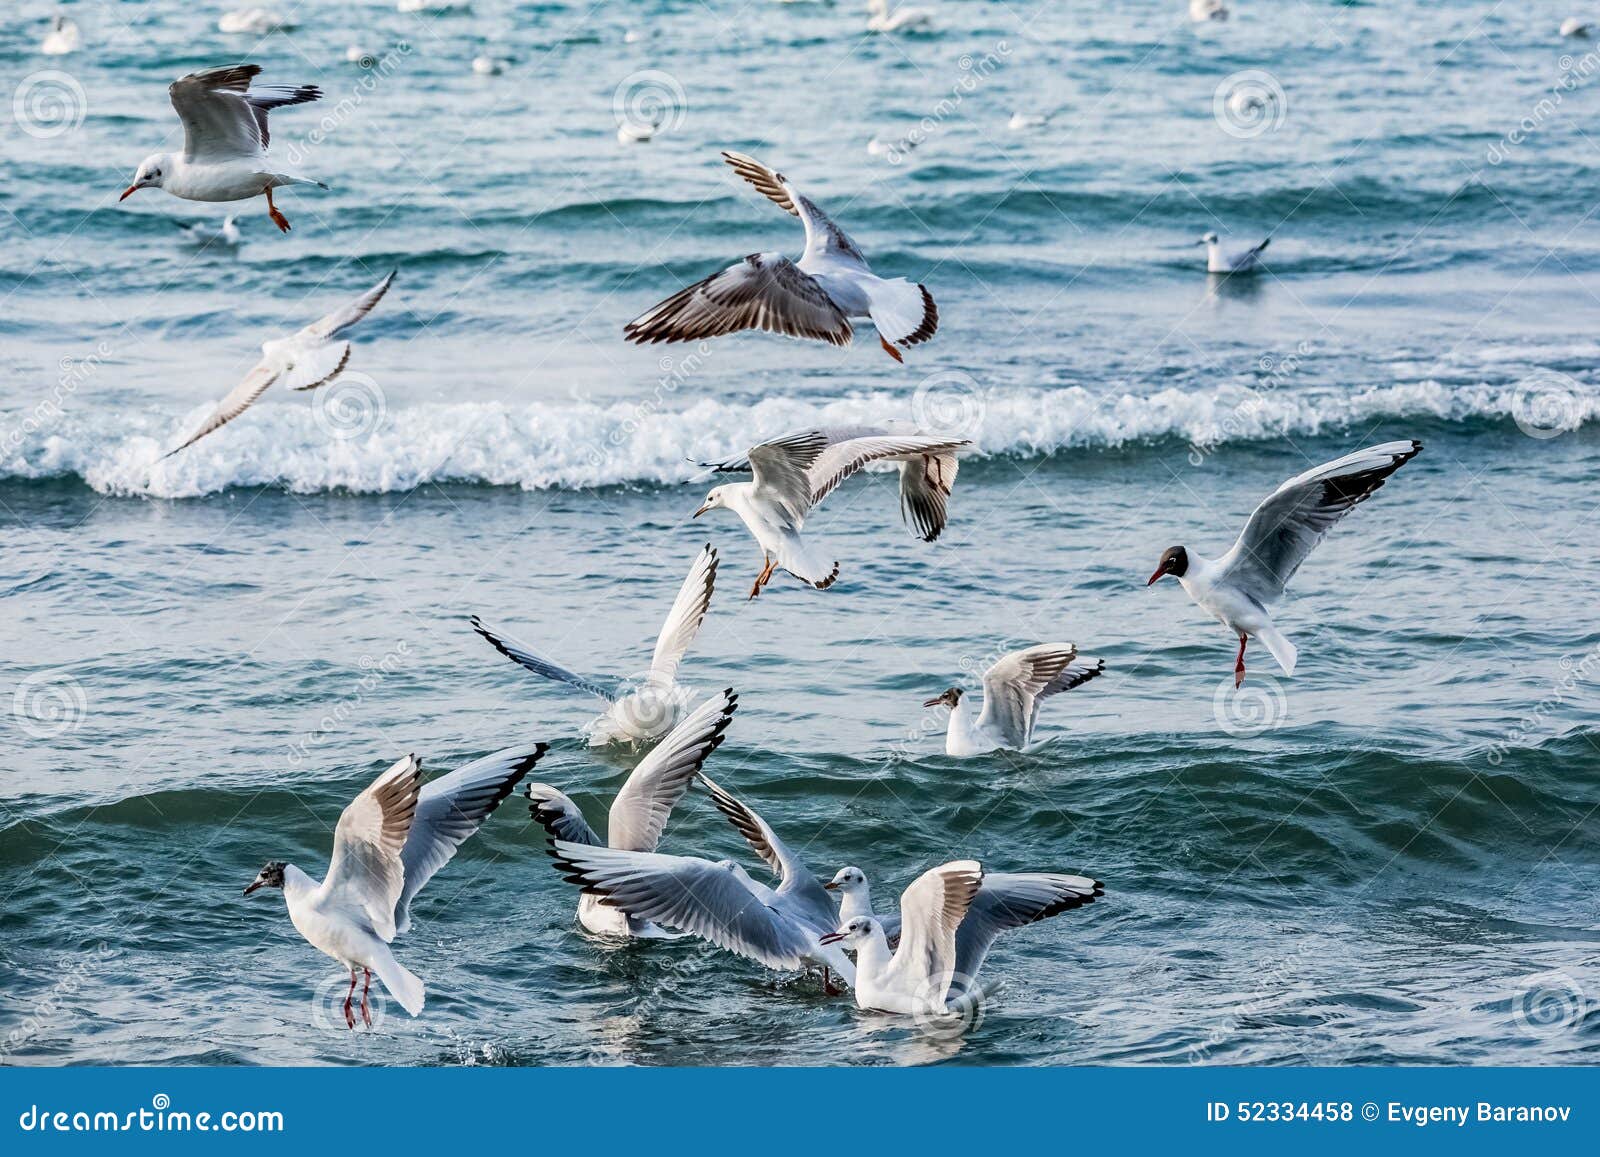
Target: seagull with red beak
1239	587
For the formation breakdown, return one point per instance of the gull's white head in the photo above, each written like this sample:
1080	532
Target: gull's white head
716	498
153	172
1207	239
847	880
853	934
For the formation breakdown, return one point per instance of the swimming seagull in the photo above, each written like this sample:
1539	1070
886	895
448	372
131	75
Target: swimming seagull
791	474
814	297
225	140
304	360
1220	260
1013	688
1202	10
256	21
389	842
1238	587
1573	26
657	702
1004	900
203	234
640	812
63	36
1022	121
906	18
718	900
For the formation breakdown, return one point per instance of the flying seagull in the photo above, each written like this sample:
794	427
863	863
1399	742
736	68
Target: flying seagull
389	842
225	140
1238	587
814	297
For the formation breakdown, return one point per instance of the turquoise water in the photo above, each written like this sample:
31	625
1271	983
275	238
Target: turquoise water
1390	858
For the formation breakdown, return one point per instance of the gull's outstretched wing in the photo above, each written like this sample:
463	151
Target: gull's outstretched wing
523	656
1012	686
765	291
1010	900
237	401
366	872
642	807
931	910
798	881
223	118
684	619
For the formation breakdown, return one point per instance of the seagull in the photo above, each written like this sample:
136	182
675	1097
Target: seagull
256	20
906	18
485	65
634	133
811	298
1012	690
1022	121
1238	587
640	811
62	38
354	54
783	928
203	234
302	361
1202	10
1003	901
225	140
658	701
793	473
389	842
1220	260
1572	26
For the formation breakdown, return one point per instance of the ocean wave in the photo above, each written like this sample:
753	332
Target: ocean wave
309	448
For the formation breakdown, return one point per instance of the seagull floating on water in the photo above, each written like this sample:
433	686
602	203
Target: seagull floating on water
791	474
485	65
1220	260
225	140
814	297
1003	901
256	21
1573	26
203	233
783	928
905	18
389	842
1202	10
304	360
1238	587
640	812
655	705
63	36
1013	688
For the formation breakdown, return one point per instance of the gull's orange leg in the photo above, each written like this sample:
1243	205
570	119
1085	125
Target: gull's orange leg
764	577
278	218
366	984
1238	665
350	1017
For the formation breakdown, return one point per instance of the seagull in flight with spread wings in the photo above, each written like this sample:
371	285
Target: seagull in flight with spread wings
1238	587
225	140
793	473
814	297
390	841
304	360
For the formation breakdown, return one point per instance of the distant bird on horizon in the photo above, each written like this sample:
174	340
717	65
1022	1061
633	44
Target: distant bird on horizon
225	140
304	360
813	298
1220	260
389	842
1238	587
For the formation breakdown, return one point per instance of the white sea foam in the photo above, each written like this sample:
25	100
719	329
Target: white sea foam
573	444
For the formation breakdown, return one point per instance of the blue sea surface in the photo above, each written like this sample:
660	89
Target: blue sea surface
1391	858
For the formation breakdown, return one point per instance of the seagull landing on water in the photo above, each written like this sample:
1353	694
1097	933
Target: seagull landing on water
949	917
225	140
389	842
717	900
1220	260
1012	690
1004	900
1238	587
640	812
790	475
814	297
312	357
644	714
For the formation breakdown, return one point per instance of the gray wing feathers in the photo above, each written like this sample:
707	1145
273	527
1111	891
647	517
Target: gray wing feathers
524	656
1012	900
640	812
